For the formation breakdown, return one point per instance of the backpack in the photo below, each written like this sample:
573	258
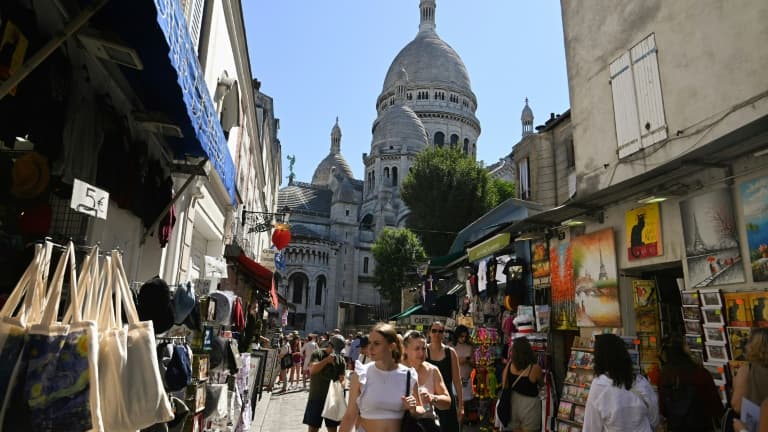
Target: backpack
679	401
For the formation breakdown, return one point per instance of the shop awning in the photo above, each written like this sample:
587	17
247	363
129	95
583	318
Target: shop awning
171	83
406	313
510	211
261	275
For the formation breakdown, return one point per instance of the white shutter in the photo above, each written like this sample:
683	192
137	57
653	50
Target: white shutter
624	106
524	186
645	67
197	255
195	21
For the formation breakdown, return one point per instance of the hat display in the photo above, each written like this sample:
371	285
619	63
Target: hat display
224	302
30	176
183	302
179	371
154	304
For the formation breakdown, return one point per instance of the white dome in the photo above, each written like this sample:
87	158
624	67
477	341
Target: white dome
398	126
322	174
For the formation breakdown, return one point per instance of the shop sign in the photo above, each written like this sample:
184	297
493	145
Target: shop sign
89	200
215	267
267	258
488	247
425	319
643	228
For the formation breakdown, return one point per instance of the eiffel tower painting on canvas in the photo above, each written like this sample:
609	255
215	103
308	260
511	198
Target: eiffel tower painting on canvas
711	240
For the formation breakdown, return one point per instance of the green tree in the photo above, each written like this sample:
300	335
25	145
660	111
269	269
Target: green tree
446	190
397	252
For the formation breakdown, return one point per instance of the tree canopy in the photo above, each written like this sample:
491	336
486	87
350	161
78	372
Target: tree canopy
397	252
446	190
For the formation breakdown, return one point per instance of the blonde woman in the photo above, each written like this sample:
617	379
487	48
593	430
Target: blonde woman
751	381
432	389
377	398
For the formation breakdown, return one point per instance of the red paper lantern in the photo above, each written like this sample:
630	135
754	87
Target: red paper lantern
281	236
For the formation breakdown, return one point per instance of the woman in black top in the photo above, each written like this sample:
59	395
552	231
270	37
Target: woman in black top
445	358
523	375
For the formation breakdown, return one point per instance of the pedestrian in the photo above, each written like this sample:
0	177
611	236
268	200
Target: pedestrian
296	359
377	398
445	358
619	400
326	365
286	362
354	348
523	375
432	389
688	398
751	381
464	350
364	358
306	353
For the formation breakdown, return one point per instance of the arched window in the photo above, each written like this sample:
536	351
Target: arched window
299	283
394	176
367	222
365	265
454	140
319	288
439	139
386	172
466	145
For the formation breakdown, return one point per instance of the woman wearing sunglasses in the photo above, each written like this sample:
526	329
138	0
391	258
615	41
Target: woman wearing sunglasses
445	358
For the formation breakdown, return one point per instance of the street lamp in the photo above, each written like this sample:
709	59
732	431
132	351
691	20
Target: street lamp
264	221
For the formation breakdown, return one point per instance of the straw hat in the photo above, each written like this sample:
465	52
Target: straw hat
30	176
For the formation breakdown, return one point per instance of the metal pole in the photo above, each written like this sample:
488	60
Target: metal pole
47	49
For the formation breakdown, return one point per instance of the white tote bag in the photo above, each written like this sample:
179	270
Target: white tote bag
14	321
136	397
335	404
61	380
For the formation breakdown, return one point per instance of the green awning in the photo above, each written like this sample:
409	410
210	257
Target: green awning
405	313
442	261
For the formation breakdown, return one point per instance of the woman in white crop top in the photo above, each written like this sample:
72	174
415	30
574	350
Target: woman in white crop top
434	394
377	398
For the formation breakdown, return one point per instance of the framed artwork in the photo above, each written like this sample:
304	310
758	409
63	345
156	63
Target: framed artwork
715	334
694	342
697	356
256	376
758	302
713	316
270	369
716	353
692	313
596	279
644	293
692	327
738	337
645	320
689	298
713	255
710	297
737	309
563	427
756	222
200	366
578	413
207	338
564	410
717	370
643	228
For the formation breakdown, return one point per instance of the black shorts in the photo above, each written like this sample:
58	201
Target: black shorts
313	415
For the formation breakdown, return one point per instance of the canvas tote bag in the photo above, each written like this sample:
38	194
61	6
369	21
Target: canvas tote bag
61	380
132	386
14	321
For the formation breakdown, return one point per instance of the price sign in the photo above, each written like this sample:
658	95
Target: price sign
89	200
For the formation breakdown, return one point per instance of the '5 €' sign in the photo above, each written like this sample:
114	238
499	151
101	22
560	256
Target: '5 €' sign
89	200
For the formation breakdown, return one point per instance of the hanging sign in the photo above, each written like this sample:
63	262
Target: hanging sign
89	200
215	267
267	259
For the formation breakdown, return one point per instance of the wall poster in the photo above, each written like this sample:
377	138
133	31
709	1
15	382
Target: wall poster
754	201
596	280
711	242
643	227
563	314
540	264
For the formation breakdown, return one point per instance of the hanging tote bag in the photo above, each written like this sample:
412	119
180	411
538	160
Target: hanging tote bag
61	380
335	404
13	323
141	373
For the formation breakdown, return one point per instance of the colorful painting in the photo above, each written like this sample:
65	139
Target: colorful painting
737	310
644	293
643	232
540	264
711	240
738	337
754	201
758	303
563	315
596	281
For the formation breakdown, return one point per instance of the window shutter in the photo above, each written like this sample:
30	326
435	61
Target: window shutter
524	180
195	20
624	106
645	68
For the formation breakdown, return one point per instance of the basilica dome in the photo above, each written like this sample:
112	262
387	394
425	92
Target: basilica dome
323	171
431	61
399	128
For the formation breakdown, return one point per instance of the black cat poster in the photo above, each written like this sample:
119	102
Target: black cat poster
643	232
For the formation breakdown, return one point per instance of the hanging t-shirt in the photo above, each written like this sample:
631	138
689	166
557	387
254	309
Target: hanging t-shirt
491	277
482	276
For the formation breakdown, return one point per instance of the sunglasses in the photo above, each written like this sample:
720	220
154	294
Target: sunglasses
437	331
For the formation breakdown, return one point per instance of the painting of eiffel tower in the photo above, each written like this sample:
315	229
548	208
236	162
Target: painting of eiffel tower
712	249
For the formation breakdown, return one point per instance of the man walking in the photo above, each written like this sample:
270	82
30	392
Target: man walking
306	354
326	365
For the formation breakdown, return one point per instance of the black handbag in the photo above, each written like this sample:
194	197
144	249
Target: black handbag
411	423
504	411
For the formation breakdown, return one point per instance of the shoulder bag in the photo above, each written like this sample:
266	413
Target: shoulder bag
411	423
503	406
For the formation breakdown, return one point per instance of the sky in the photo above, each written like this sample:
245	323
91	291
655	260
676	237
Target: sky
319	59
